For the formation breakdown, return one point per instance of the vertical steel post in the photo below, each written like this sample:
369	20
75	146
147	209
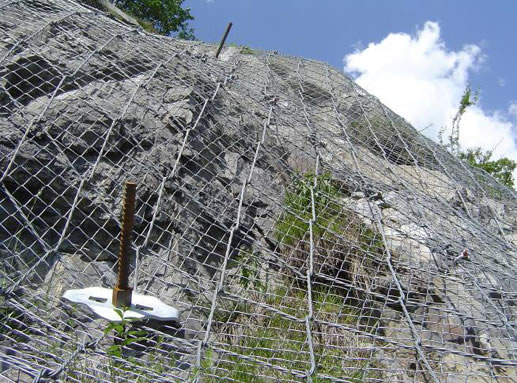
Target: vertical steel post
122	292
223	39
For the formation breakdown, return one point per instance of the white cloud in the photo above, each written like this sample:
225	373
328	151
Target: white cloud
512	109
423	81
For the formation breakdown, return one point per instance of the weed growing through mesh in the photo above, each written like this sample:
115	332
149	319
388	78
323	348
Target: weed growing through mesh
343	246
271	344
244	49
124	334
12	325
293	225
279	341
250	271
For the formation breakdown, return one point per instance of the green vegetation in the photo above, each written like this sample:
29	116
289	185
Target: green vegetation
250	271
266	345
281	343
262	340
123	366
163	16
245	50
453	145
344	246
124	334
500	169
293	226
12	323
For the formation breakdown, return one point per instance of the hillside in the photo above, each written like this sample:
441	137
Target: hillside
304	231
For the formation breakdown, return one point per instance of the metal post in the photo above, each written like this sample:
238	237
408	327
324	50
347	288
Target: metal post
223	39
121	292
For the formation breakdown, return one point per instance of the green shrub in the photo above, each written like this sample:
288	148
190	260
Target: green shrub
293	225
501	169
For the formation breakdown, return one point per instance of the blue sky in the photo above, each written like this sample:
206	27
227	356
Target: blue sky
433	48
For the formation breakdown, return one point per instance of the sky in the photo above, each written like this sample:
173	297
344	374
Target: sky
417	57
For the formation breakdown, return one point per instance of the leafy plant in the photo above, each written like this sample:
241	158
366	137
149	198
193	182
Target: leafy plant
165	16
208	361
124	334
500	169
293	225
245	50
159	360
11	323
206	364
468	99
250	271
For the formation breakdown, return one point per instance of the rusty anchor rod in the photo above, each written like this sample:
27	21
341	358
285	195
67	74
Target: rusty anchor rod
122	293
221	44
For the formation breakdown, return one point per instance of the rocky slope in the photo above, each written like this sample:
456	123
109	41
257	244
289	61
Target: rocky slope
303	229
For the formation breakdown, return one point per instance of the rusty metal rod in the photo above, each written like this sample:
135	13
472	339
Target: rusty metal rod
223	40
121	292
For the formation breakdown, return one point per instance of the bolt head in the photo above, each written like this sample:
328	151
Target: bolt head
122	297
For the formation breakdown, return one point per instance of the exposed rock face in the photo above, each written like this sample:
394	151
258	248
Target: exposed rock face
363	281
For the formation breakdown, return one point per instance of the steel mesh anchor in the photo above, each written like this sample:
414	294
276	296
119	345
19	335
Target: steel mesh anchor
103	301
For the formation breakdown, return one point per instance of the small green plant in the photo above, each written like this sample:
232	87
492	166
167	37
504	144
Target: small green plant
12	325
468	99
501	169
293	225
245	50
250	271
206	365
147	26
124	334
208	360
158	360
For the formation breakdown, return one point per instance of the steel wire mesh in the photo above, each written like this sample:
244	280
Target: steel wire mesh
304	231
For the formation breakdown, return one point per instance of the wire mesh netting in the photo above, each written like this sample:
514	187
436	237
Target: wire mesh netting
303	230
